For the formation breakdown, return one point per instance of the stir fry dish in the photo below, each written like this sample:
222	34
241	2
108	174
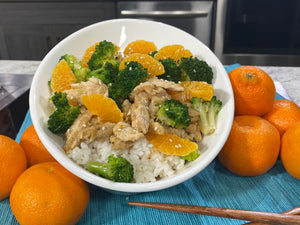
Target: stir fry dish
136	115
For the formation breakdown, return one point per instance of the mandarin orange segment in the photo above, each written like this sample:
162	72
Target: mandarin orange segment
175	52
87	55
153	66
170	144
140	46
104	107
62	77
199	89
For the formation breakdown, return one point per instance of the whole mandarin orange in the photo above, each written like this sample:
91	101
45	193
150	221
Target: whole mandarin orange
283	115
13	163
254	90
34	148
252	147
290	150
47	193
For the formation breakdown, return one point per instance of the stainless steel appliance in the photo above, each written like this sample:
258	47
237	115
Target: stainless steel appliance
30	29
14	94
195	17
257	32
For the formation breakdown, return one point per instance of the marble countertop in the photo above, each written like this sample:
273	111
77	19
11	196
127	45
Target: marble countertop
289	77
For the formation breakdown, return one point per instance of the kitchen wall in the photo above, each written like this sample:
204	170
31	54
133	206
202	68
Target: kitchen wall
29	29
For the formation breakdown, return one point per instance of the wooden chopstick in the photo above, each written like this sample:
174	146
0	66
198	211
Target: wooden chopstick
255	216
294	211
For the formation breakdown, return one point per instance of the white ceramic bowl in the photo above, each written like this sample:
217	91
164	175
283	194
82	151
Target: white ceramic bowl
122	32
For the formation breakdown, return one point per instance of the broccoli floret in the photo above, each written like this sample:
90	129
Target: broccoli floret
79	71
192	156
107	73
172	71
117	169
64	115
173	113
105	51
126	81
194	69
208	111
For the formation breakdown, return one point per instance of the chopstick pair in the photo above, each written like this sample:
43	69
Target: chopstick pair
286	218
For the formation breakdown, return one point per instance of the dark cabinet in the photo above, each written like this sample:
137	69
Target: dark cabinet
28	30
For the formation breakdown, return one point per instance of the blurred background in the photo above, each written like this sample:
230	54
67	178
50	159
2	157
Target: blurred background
253	32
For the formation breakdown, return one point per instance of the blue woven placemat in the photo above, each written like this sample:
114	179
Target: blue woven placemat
274	191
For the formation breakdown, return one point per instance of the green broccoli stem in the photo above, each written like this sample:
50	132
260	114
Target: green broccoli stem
212	119
205	125
208	111
117	169
99	168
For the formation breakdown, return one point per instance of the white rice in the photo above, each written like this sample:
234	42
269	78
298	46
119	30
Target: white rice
149	165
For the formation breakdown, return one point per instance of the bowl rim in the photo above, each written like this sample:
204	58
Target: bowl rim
106	184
